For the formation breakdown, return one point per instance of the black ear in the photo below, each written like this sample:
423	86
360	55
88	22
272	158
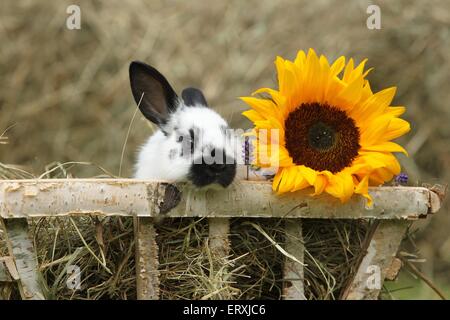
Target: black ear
159	99
193	96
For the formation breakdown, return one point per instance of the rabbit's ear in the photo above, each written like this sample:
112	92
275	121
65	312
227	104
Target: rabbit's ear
193	96
158	97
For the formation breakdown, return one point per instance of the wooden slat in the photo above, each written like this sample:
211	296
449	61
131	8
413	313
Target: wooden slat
147	274
384	243
219	244
219	229
4	272
293	285
43	198
22	249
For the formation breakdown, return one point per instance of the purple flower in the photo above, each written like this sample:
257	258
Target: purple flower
247	151
401	179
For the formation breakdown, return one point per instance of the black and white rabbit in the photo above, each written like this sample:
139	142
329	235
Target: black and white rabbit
191	142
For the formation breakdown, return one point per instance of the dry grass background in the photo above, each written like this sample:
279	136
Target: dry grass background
64	95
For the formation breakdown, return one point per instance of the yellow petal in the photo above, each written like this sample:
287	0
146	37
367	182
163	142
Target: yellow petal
253	116
376	129
348	71
320	184
347	186
367	72
337	66
373	107
359	70
348	97
277	179
263	106
311	84
287	181
309	174
386	147
384	97
300	59
366	92
362	186
288	86
381	175
363	189
300	182
334	186
396	111
290	178
397	127
279	63
275	95
378	160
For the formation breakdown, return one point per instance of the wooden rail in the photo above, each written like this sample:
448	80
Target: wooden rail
255	199
394	208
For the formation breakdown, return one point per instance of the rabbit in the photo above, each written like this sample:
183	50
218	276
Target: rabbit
191	141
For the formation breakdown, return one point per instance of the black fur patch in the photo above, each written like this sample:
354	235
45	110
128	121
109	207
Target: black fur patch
193	96
203	174
152	92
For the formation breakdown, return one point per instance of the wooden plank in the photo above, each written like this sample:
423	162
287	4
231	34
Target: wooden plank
147	274
65	197
219	229
293	284
22	249
219	245
4	273
381	251
126	197
8	271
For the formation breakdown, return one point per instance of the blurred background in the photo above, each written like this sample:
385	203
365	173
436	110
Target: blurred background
64	94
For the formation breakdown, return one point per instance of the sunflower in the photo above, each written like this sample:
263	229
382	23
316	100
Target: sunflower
333	132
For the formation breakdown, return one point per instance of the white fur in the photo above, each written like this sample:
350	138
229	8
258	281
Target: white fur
154	161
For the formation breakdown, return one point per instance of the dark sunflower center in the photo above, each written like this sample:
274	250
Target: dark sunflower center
321	137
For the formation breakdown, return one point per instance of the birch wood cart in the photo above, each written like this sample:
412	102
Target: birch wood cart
394	209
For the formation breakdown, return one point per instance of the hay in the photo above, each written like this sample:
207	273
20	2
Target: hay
104	251
102	248
189	270
254	270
